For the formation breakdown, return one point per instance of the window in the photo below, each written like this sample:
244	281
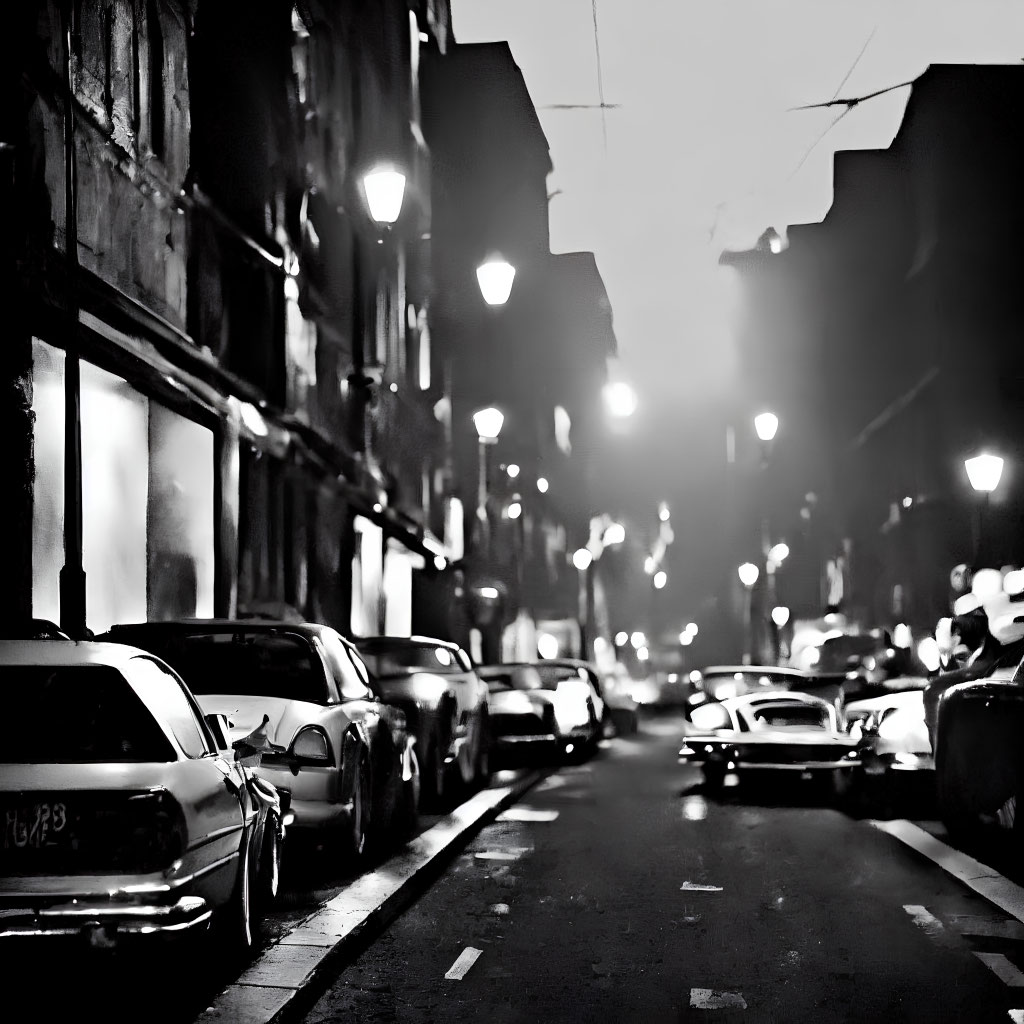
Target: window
797	716
353	684
76	714
168	700
256	664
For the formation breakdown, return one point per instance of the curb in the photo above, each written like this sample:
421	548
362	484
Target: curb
286	980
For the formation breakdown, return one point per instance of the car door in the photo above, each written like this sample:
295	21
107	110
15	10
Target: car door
209	787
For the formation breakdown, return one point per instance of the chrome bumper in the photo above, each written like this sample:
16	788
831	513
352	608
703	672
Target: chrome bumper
106	918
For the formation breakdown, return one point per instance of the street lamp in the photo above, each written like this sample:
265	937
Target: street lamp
984	472
620	398
495	276
488	424
660	579
766	424
748	573
385	191
614	534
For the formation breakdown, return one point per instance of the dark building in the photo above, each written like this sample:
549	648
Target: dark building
885	339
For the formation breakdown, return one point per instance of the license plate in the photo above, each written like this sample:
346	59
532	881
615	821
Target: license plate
36	825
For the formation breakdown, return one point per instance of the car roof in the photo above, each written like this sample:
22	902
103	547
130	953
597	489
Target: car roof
307	629
67	652
405	641
779	670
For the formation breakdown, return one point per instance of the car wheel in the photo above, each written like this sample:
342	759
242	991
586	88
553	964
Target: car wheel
356	830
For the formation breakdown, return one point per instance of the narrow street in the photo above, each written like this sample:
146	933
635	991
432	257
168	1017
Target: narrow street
614	891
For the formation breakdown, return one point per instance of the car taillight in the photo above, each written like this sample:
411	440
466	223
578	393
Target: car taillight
311	745
156	831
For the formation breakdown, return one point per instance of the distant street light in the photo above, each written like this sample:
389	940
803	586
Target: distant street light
621	638
691	627
488	423
637	639
495	277
748	573
620	399
780	615
385	191
581	558
515	510
663	512
779	553
650	565
513	470
614	534
542	484
984	472
660	579
766	424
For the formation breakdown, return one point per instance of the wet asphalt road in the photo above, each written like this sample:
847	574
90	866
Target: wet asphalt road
580	905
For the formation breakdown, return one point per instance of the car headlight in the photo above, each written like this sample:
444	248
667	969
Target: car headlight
724	690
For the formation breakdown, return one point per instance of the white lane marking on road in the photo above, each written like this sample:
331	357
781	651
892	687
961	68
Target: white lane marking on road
527	814
982	879
712	999
1007	972
987	927
500	908
512	853
930	925
466	959
698	887
1017	1016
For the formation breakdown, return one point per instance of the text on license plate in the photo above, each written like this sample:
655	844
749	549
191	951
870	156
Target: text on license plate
34	825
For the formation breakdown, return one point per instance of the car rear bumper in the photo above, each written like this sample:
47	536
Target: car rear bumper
103	920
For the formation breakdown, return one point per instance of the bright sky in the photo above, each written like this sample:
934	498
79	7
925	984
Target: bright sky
703	154
703	90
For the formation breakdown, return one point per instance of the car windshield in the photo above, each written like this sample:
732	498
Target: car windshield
554	674
73	715
385	660
249	663
744	680
514	679
798	716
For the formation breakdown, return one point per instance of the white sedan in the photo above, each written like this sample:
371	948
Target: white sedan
122	815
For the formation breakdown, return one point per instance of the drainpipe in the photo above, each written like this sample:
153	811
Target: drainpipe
72	575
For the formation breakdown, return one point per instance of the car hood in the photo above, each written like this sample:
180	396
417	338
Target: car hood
422	687
245	713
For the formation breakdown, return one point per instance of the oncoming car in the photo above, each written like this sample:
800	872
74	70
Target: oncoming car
787	732
122	815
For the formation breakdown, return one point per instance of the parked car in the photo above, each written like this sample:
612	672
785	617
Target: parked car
123	816
522	716
756	733
574	716
977	717
893	733
555	670
344	755
445	703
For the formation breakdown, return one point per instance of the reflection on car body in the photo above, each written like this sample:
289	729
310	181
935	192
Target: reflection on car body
777	731
445	703
121	815
557	696
892	731
343	755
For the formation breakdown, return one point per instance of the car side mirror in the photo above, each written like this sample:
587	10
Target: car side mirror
218	725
